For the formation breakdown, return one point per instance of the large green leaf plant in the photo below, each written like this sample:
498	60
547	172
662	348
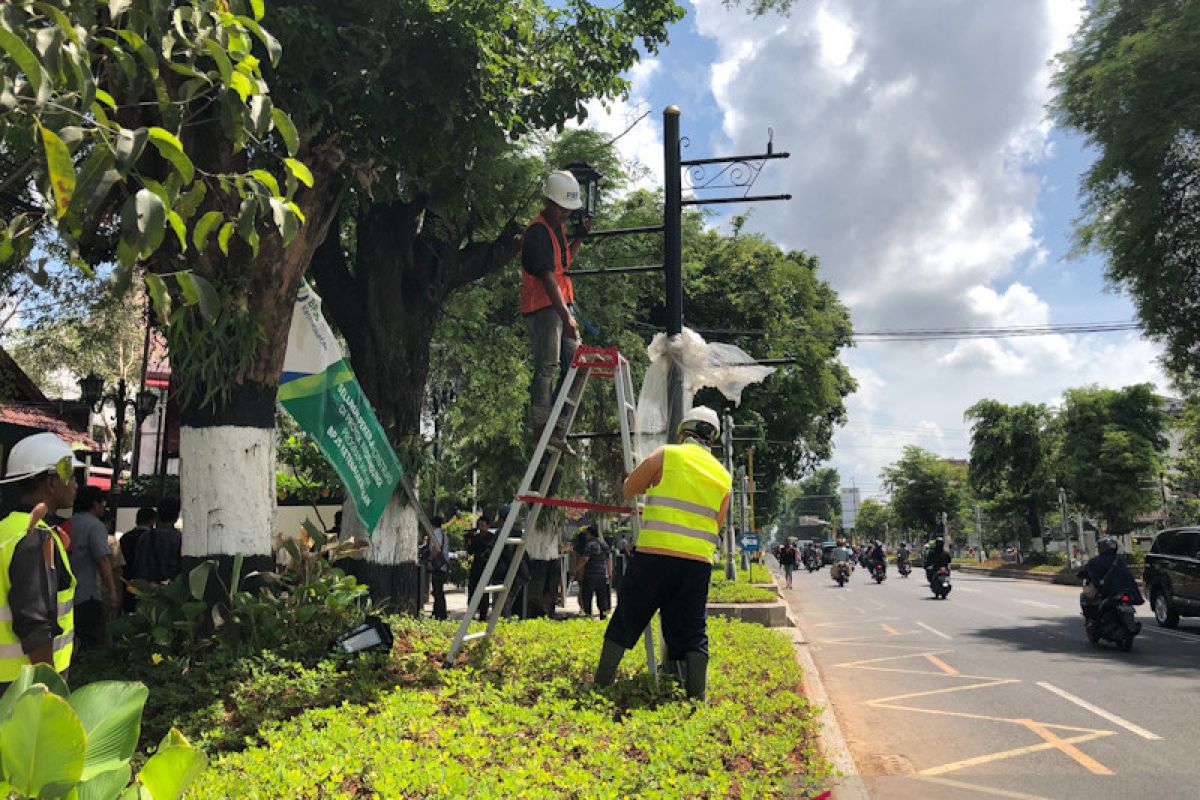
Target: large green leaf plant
57	743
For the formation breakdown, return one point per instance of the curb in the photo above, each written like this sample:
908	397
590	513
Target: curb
833	741
1059	578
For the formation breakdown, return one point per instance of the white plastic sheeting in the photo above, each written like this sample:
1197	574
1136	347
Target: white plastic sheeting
724	367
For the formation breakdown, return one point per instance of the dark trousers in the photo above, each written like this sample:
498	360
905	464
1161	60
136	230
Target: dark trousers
90	625
473	580
437	582
675	587
594	586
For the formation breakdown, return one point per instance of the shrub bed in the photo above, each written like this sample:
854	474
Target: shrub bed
742	590
518	718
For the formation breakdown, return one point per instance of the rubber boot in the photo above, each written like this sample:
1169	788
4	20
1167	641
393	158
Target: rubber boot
697	676
610	659
674	671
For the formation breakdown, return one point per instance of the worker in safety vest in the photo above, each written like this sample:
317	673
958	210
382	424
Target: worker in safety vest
687	497
37	587
547	298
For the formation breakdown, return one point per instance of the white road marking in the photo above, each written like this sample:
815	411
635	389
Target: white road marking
934	631
962	588
1173	635
1038	604
1100	712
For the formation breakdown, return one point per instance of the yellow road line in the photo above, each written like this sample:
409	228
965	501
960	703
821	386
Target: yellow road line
890	630
989	758
880	660
982	789
1086	761
942	665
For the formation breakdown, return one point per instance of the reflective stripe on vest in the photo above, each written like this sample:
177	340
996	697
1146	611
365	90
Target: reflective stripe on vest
533	292
680	516
12	656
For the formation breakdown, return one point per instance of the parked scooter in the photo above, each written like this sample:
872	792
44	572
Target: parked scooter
840	572
940	583
1111	618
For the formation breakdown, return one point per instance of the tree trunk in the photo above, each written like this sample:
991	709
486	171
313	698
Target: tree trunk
1033	519
389	567
387	304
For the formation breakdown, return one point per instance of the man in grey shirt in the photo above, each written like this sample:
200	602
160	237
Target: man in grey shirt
91	561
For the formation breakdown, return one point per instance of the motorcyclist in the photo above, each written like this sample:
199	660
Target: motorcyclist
840	557
811	554
1109	574
876	556
936	558
902	553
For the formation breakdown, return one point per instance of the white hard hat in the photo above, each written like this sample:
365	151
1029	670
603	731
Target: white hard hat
702	422
562	188
36	454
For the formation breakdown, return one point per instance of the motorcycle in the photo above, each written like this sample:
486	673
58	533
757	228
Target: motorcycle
812	563
840	573
940	583
879	572
904	568
1109	618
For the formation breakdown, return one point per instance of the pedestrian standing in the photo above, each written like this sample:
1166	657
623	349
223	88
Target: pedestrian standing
596	575
159	556
37	587
787	560
439	566
548	298
145	521
687	498
479	547
91	561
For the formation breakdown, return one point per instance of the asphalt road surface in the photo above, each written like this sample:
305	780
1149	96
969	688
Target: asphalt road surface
997	692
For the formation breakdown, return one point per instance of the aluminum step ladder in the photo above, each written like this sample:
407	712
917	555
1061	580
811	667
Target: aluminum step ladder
543	472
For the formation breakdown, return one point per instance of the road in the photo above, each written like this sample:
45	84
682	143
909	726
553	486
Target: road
996	691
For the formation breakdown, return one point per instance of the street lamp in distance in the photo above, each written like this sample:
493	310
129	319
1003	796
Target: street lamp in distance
142	404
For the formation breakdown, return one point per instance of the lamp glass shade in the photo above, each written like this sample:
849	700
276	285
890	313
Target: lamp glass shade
589	186
92	389
147	400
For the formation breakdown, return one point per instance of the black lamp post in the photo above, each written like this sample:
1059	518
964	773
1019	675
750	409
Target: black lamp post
142	405
589	190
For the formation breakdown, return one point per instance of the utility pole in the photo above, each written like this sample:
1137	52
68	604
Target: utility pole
1162	490
979	530
1087	551
673	258
745	489
735	529
1062	510
727	441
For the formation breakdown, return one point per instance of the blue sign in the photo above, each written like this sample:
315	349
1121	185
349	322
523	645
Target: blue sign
750	542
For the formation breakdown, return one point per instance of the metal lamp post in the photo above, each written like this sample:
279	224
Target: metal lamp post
92	390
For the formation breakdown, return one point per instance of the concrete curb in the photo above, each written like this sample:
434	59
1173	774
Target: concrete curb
1020	574
833	741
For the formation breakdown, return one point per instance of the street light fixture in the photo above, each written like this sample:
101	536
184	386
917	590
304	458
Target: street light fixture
589	190
142	404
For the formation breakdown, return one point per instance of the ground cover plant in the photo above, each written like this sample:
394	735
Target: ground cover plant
516	718
742	589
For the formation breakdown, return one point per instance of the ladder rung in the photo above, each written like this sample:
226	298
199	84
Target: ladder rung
495	588
470	637
514	540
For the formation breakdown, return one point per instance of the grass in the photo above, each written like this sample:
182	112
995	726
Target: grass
520	718
742	589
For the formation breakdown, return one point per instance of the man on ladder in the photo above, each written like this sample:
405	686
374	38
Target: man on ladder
547	297
687	497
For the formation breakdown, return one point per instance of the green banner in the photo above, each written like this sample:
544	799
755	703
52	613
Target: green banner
319	390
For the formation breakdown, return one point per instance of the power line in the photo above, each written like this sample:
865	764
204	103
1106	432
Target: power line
938	334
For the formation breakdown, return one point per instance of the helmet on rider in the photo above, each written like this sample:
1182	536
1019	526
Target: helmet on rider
841	542
1107	545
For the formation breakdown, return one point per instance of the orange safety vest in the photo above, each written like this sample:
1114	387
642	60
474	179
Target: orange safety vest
533	293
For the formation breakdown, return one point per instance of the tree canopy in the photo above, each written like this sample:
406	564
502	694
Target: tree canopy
923	486
1128	83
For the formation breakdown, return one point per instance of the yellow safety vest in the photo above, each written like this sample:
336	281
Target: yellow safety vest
12	657
680	516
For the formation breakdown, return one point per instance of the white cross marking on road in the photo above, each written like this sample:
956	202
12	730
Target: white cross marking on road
1038	604
934	631
1100	712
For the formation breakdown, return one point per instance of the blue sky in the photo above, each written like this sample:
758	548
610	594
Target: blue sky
926	177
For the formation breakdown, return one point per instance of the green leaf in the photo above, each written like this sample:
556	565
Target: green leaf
61	170
223	237
25	59
257	9
302	172
287	129
274	49
111	714
170	148
285	221
198	579
106	98
30	675
91	184
188	287
159	296
242	85
210	304
176	223
42	745
173	768
118	7
204	228
191	200
129	147
105	785
266	179
218	54
151	220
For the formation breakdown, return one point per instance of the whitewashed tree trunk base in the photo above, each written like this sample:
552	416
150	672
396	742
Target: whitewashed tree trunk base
389	568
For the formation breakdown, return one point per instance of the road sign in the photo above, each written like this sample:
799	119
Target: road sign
750	542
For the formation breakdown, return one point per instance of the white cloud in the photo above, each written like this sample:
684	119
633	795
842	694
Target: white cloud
918	135
640	146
